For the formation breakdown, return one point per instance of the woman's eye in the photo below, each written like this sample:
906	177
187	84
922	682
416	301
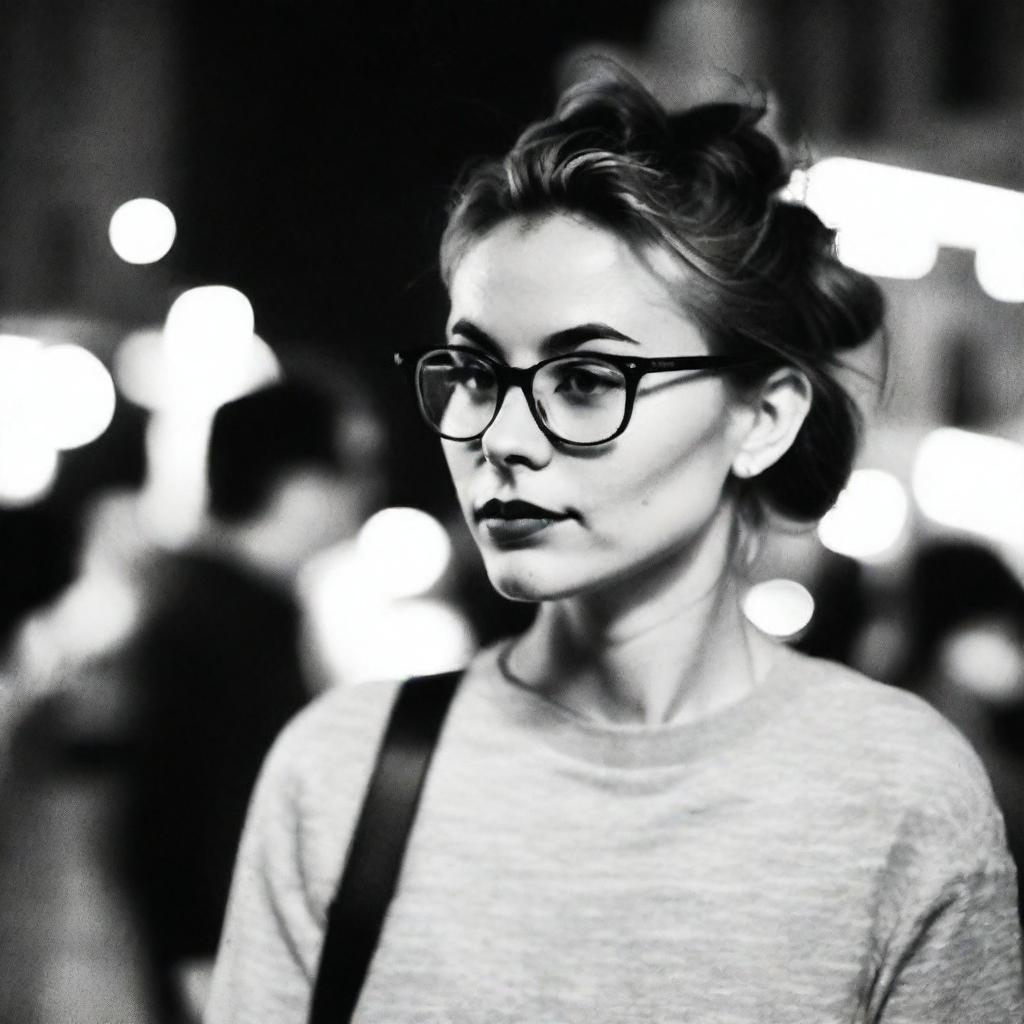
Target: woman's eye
473	378
585	382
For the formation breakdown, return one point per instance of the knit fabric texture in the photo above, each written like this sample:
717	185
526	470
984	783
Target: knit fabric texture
825	850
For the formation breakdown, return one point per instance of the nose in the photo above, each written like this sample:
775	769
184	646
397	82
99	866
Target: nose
514	436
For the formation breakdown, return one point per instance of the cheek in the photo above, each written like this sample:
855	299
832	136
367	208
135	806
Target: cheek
461	460
657	489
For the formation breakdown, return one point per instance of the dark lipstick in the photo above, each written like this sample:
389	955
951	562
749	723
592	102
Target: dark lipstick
509	522
515	509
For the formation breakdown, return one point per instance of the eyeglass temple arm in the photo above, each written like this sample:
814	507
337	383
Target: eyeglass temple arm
692	362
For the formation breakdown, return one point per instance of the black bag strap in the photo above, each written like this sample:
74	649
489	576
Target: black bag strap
375	855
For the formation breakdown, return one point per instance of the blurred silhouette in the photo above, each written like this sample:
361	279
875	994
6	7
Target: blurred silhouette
38	549
152	684
217	661
38	553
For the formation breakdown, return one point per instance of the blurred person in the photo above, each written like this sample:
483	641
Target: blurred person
217	662
38	552
54	882
38	558
954	583
640	808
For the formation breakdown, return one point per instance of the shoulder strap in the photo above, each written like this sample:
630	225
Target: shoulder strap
375	856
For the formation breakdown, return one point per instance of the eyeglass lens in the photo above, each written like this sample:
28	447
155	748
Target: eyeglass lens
580	398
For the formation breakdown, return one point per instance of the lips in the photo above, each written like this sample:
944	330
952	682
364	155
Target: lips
510	523
514	510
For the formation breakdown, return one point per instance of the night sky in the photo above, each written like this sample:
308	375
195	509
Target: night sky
319	145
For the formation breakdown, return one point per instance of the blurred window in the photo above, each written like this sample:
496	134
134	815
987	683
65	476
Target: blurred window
968	69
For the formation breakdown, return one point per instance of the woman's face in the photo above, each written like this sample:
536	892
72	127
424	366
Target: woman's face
634	505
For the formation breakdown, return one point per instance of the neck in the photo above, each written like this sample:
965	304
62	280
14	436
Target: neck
668	645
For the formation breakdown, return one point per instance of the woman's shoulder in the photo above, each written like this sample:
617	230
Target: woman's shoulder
319	764
339	728
865	711
895	747
862	717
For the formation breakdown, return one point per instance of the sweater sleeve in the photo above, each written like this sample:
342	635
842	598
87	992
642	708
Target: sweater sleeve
960	959
950	950
271	937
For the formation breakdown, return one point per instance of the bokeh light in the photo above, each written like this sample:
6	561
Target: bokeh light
28	467
383	637
142	231
999	266
972	482
905	255
398	639
209	345
781	608
51	398
866	196
138	368
19	364
406	551
986	659
869	518
75	394
143	372
211	315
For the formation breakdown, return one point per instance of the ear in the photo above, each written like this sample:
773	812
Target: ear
775	411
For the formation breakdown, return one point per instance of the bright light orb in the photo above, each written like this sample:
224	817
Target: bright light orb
999	266
143	370
138	368
76	395
972	482
19	365
16	349
902	255
209	343
211	315
985	659
384	638
405	550
28	468
869	517
142	231
858	194
781	608
398	639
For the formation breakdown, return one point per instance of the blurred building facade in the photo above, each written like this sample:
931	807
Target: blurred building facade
87	114
935	87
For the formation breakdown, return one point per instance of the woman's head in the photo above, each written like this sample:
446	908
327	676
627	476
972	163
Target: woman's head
668	229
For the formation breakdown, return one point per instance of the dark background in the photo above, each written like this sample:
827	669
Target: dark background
320	147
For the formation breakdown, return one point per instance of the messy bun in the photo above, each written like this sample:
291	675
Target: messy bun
704	185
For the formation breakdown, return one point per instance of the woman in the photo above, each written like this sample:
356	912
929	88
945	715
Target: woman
641	809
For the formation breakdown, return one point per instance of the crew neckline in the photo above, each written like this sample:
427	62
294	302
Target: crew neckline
623	745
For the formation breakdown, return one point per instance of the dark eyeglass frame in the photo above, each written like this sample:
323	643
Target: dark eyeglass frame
632	368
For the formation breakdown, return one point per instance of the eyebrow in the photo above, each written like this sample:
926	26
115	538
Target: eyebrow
560	341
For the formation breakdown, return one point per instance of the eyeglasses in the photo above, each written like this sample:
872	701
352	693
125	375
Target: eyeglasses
580	398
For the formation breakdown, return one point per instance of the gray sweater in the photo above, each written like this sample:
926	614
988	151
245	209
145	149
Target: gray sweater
826	850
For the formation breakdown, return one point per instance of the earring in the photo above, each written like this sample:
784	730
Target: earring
742	469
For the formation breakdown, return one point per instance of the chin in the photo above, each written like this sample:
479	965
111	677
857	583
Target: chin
521	583
517	590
